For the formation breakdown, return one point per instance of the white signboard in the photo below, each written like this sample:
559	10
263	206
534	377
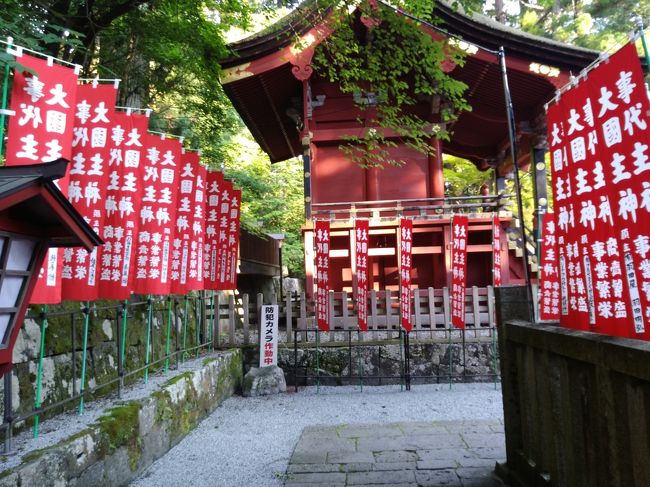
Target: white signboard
269	335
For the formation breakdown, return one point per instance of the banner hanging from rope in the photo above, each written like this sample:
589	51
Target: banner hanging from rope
361	244
598	139
322	237
88	178
405	266
459	228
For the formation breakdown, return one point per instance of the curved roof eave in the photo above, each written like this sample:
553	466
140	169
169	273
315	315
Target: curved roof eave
477	29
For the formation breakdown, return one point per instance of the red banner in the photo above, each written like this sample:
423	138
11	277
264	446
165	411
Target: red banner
223	234
597	133
459	228
496	252
187	246
211	259
232	252
322	237
362	231
88	175
160	180
122	206
549	285
405	265
41	131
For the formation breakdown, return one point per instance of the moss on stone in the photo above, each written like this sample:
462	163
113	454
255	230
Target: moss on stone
120	428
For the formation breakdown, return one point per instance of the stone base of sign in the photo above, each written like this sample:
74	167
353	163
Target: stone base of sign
264	381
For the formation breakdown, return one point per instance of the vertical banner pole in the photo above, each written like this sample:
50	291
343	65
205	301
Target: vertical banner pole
82	387
199	322
359	361
215	319
146	356
37	402
401	360
451	354
515	163
494	355
124	317
639	24
169	327
5	88
184	357
317	360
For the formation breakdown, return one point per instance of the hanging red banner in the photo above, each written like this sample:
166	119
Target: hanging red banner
405	265
322	237
122	206
232	253
362	232
187	249
223	232
214	187
88	175
549	285
162	163
601	125
459	228
573	300
496	252
41	131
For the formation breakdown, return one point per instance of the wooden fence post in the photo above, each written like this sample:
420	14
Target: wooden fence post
288	318
246	317
231	319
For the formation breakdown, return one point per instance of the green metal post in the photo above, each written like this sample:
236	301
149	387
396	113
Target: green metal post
169	328
401	360
359	361
199	323
5	89
37	402
84	352
317	362
215	319
184	356
124	317
146	354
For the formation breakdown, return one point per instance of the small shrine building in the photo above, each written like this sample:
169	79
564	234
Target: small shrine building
293	112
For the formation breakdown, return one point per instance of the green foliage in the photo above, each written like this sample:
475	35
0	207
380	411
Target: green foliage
272	200
462	178
389	68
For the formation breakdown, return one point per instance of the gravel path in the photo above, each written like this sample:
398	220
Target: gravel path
248	441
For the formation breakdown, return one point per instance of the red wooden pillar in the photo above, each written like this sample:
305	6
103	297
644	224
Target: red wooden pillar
372	184
436	178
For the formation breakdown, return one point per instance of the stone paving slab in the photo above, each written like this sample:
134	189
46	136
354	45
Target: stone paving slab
449	453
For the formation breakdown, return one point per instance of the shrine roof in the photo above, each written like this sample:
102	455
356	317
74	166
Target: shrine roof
475	28
260	80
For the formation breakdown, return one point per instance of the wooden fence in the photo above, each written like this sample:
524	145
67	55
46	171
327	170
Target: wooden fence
237	314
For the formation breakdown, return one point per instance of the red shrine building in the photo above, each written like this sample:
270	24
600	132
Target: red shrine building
293	112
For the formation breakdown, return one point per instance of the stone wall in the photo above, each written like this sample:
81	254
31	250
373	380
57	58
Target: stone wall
132	435
101	365
429	362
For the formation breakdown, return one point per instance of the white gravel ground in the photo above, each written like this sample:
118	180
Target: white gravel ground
248	441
